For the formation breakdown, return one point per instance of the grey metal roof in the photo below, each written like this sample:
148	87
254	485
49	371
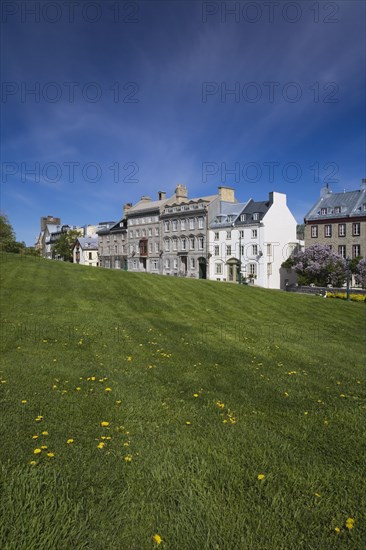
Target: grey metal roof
144	205
254	207
350	202
227	209
88	243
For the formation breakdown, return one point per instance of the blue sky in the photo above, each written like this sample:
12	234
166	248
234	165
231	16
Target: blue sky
147	89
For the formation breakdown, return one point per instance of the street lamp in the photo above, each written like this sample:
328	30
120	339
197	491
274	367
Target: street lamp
348	260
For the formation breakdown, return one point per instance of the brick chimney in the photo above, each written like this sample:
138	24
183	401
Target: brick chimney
227	194
126	208
161	195
181	192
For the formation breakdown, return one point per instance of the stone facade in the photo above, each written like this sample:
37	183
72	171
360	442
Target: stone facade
112	245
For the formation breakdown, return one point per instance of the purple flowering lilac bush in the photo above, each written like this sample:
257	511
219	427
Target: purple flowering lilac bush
318	265
360	274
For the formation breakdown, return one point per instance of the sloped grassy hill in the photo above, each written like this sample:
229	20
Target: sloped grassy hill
201	388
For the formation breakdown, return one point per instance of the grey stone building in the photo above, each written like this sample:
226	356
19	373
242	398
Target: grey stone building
339	221
112	244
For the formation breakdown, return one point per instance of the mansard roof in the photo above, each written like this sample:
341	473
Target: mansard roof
338	205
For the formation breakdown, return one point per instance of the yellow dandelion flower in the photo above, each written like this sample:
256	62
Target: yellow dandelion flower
157	539
342	395
126	444
34	436
129	358
220	404
118	402
306	412
50	455
128	458
350	523
54	387
108	389
196	395
92	378
44	433
337	529
24	401
39	418
317	495
260	476
69	441
104	424
188	423
100	445
37	451
33	462
108	437
286	394
44	447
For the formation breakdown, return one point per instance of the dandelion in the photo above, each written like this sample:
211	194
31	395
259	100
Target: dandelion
104	424
118	402
317	495
24	401
54	387
37	451
33	462
92	378
78	388
260	476
129	358
157	539
195	395
44	447
188	423
128	458
286	394
44	433
306	412
350	523
69	441
337	529
50	455
39	418
126	444
220	404
101	445
34	436
108	389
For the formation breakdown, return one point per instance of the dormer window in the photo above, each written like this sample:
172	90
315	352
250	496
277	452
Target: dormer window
255	216
242	217
337	210
323	211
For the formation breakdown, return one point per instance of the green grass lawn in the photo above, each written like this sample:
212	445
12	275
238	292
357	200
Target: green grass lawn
205	386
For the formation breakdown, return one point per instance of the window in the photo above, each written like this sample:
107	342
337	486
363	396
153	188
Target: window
150	247
242	217
175	244
166	226
256	216
175	263
241	234
228	250
314	231
154	265
323	211
216	236
183	225
193	263
115	250
218	269
167	245
167	264
90	256
228	234
337	210
200	243
327	230
156	231
356	251
341	230
191	223
242	250
200	223
356	229
134	264
255	249
114	238
269	269
156	248
108	239
137	233
191	240
342	250
184	243
150	232
364	207
254	233
252	269
269	250
149	219
143	233
217	251
174	225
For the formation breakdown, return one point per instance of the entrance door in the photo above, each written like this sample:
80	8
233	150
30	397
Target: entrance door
184	264
202	268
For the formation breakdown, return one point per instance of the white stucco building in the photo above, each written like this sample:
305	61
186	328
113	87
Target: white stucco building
249	241
85	251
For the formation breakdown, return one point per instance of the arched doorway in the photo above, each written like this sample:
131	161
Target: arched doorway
232	266
202	268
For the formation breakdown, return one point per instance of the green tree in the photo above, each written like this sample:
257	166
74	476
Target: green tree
8	242
63	247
